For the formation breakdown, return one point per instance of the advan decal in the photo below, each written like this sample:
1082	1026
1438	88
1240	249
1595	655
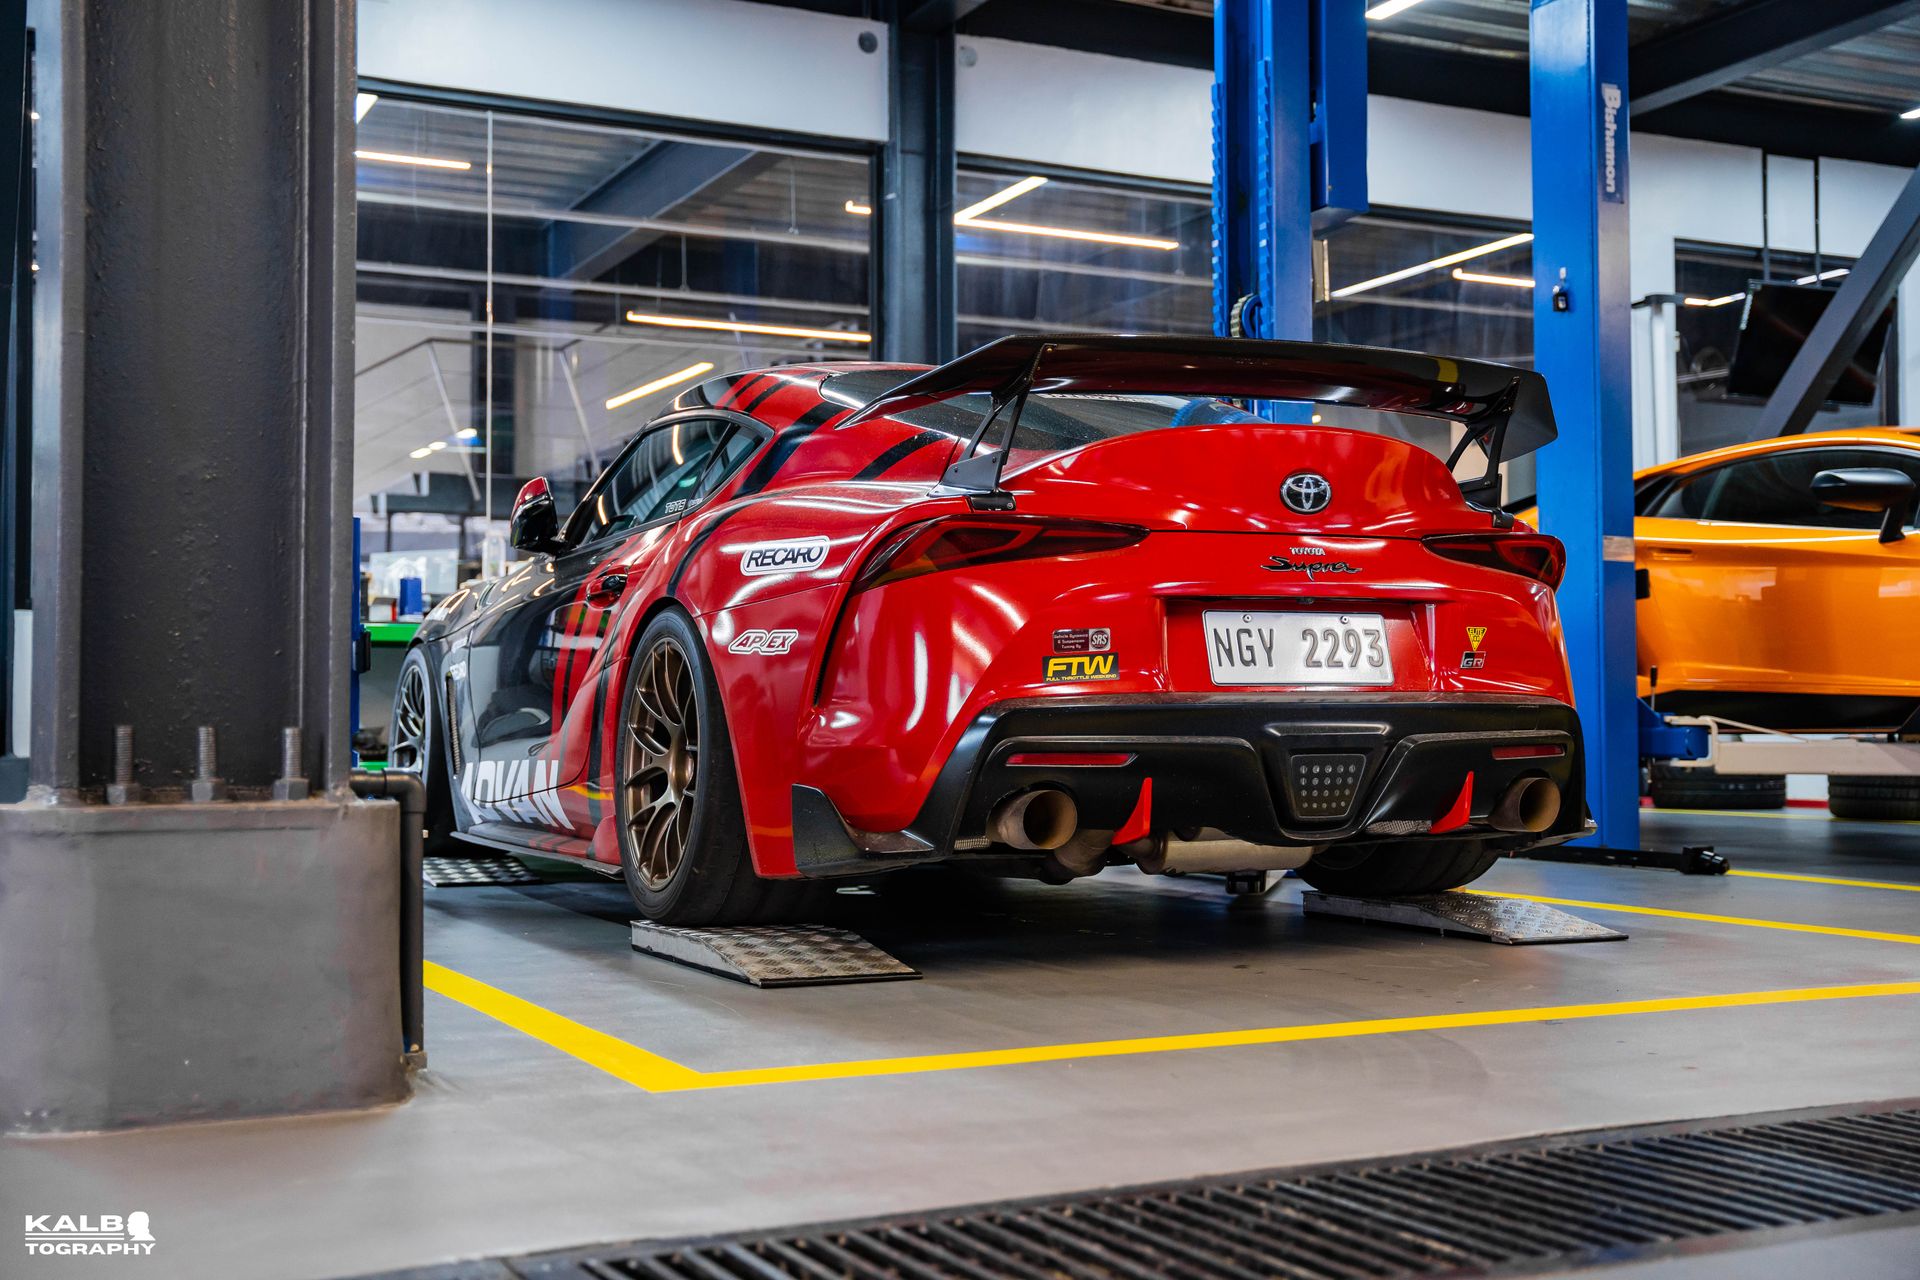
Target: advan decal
520	791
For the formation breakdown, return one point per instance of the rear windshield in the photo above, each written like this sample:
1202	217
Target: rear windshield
1049	424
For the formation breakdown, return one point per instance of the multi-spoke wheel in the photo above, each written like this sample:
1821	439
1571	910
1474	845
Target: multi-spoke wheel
660	762
683	838
413	746
407	737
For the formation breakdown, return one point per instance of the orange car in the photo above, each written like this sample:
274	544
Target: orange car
1782	582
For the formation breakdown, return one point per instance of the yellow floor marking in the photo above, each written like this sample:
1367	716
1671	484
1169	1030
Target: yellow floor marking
655	1074
611	1054
1839	880
1834	931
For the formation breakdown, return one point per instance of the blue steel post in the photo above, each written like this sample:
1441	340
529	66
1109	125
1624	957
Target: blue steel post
1580	343
1263	179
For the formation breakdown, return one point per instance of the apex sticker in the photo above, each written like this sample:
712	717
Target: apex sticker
763	642
1083	666
789	555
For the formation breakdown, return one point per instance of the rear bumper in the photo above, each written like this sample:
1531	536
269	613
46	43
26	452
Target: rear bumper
1240	763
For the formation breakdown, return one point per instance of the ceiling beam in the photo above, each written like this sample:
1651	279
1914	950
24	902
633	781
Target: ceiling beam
1735	43
935	15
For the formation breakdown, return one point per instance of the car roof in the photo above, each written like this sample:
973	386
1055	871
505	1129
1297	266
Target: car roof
1901	437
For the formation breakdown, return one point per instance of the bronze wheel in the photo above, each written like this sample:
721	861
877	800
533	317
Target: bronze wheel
659	765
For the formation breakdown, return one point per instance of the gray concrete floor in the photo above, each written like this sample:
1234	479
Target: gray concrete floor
512	1146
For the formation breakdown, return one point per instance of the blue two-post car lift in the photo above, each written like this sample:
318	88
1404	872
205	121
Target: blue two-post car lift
1290	155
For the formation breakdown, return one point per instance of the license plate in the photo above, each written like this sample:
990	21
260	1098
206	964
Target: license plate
1252	647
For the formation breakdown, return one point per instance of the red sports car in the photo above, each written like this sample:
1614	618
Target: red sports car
1052	607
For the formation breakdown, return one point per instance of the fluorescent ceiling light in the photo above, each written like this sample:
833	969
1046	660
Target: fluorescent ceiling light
437	445
421	453
998	198
1073	233
742	326
425	162
1465	255
1824	275
970	218
467	433
363	103
1381	12
1480	277
1911	115
660	384
1721	301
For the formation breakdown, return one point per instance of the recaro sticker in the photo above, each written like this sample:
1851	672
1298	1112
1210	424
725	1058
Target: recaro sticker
789	555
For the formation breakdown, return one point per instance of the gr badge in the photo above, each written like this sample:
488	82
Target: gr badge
1473	659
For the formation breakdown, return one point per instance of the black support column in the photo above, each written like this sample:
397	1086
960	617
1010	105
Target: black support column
202	951
199	415
915	297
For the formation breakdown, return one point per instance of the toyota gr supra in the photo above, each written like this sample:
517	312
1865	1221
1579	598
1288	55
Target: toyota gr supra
1058	605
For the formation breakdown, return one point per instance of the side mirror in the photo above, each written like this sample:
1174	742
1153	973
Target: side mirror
1869	489
535	524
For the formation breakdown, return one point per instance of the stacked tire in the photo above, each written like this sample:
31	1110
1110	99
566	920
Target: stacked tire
1674	787
1874	799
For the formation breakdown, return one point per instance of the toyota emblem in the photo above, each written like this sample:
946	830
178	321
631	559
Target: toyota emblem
1306	492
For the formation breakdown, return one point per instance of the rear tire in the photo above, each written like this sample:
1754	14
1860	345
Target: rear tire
1677	788
416	746
1874	799
683	835
1400	870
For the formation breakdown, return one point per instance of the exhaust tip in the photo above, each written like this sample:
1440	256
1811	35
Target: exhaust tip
1044	818
1529	805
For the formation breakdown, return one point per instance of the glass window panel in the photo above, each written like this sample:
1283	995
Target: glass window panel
1718	277
1038	254
614	268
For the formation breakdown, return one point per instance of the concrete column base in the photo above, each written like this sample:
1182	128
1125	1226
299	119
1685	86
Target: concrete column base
170	962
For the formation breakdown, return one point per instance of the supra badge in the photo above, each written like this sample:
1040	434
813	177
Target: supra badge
1318	563
1084	666
790	555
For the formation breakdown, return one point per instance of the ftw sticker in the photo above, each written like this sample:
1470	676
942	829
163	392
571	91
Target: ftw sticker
1084	666
791	555
1474	636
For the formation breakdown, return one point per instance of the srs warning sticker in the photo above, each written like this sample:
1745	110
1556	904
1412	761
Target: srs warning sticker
1084	666
1082	640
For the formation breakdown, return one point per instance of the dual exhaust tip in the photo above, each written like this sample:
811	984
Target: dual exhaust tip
1046	818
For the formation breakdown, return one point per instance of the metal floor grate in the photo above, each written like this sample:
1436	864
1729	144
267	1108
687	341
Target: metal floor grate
1516	1210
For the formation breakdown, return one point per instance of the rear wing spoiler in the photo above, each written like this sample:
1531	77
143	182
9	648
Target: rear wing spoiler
1505	409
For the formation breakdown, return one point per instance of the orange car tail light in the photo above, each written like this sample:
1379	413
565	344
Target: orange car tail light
1534	555
958	542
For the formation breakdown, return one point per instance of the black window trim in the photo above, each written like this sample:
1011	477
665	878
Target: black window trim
739	422
1674	483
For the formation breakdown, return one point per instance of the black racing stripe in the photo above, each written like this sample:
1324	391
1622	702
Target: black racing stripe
698	541
772	386
594	739
784	444
894	453
736	388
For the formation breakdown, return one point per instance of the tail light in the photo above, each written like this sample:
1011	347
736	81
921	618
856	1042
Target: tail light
959	542
1533	555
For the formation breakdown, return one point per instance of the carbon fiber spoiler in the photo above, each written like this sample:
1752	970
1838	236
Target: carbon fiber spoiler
1505	409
